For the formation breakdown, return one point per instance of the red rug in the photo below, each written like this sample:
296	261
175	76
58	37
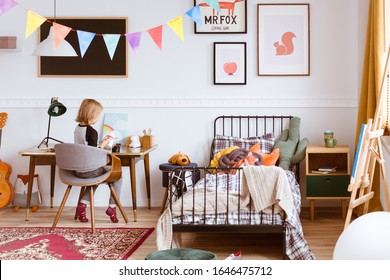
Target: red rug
38	243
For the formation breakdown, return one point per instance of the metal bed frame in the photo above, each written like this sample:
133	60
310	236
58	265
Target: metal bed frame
239	126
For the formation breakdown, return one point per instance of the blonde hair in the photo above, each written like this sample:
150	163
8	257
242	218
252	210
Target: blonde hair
89	111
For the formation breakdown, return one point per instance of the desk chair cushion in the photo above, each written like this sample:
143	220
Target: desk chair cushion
68	177
79	157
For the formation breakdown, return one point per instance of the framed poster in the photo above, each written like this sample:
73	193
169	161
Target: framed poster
229	63
283	39
231	18
96	62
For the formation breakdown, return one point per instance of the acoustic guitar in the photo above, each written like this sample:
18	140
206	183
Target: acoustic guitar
6	189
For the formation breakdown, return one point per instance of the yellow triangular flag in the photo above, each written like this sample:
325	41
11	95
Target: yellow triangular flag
177	26
33	22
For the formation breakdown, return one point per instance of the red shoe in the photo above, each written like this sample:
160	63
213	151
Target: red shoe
81	214
112	213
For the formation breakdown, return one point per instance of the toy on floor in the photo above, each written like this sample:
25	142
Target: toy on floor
179	159
234	257
21	186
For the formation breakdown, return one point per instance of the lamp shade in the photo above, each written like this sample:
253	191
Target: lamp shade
46	47
56	108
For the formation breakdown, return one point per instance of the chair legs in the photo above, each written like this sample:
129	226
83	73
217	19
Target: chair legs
92	206
118	203
61	208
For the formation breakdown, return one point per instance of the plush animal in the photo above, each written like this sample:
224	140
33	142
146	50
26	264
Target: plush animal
20	197
292	150
179	159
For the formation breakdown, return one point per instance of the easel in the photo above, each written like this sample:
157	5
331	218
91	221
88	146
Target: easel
368	153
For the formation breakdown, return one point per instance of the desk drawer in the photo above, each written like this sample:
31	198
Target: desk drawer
327	186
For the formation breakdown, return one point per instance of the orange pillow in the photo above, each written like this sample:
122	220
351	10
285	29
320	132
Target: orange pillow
268	159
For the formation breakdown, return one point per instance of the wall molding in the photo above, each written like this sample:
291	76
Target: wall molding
188	103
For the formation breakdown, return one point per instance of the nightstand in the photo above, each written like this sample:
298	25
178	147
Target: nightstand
332	185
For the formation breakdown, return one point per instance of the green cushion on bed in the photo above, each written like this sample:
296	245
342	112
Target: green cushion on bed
181	254
287	144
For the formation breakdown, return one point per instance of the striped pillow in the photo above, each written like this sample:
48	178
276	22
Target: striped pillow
222	142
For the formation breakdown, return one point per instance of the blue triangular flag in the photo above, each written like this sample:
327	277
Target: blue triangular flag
195	14
85	39
111	41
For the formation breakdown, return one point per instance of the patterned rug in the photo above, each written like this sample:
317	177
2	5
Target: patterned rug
38	243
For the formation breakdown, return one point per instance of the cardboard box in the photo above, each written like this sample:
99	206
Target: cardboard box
147	141
7	42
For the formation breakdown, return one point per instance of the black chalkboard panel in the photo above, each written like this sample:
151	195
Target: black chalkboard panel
96	61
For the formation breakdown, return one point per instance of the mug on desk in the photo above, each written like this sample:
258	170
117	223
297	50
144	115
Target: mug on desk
330	142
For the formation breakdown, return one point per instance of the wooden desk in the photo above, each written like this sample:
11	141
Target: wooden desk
128	156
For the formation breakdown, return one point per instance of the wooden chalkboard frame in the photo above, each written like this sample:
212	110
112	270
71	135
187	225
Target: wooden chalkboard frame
96	62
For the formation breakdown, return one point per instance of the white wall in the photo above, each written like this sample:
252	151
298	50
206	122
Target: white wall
172	91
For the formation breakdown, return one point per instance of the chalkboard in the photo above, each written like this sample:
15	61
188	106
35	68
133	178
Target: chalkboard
96	61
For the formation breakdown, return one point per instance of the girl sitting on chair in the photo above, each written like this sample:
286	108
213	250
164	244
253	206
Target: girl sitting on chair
88	114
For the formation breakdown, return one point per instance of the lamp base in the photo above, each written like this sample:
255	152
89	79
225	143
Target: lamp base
46	141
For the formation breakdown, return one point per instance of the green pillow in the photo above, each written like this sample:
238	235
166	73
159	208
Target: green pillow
287	147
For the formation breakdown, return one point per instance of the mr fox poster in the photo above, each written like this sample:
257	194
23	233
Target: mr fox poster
229	18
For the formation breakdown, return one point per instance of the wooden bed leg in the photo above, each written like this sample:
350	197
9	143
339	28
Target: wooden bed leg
177	239
312	206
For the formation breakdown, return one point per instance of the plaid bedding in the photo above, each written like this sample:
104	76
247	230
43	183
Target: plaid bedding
297	247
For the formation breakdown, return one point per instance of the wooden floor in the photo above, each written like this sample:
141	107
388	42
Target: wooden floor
321	234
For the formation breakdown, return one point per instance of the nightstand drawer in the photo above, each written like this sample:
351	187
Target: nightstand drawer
327	186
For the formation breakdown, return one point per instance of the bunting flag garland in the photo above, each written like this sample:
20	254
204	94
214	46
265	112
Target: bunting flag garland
214	4
177	26
33	22
134	40
85	39
195	15
6	5
111	41
60	32
156	34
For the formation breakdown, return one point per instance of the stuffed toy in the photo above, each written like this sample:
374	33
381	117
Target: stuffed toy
179	159
20	197
291	149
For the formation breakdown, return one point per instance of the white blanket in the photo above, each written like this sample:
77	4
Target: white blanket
268	185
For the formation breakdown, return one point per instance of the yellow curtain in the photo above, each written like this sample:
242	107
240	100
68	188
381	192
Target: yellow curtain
373	69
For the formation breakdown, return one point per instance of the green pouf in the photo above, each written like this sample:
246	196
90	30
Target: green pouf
181	254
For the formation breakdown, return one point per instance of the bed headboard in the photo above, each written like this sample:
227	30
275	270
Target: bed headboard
247	126
250	126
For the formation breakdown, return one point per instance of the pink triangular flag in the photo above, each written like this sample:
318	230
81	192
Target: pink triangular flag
156	34
134	40
60	32
6	5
